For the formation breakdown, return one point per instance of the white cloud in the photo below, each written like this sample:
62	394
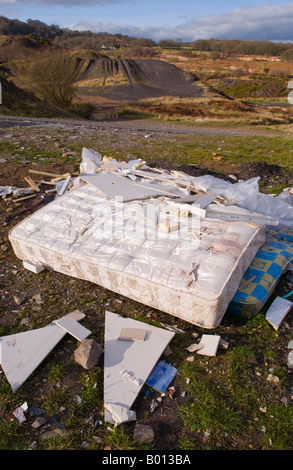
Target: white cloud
250	23
64	3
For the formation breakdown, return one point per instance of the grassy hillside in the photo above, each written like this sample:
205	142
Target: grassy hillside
236	78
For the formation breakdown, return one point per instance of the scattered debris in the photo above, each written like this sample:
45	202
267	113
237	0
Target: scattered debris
40	421
195	347
34	267
21	353
19	412
290	360
136	357
132	205
161	376
185	270
210	345
278	311
273	379
132	334
71	326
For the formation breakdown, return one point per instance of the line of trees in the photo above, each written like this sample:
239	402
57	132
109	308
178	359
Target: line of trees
71	39
237	46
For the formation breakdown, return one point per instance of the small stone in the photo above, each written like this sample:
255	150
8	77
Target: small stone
143	433
167	351
35	411
223	344
273	378
290	360
52	434
88	353
56	424
40	421
18	300
37	299
85	445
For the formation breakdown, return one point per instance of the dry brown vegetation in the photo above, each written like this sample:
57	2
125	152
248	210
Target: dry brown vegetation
237	78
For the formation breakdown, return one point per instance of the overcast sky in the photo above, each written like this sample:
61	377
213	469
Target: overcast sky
187	20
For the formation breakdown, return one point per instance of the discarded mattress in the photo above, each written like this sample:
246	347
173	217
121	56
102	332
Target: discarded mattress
263	274
192	273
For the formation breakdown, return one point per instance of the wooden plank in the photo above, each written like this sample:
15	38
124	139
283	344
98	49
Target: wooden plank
45	173
15	201
32	184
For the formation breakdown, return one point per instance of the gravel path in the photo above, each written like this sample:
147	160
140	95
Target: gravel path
138	125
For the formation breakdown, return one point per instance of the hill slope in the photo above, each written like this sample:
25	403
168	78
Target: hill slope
135	79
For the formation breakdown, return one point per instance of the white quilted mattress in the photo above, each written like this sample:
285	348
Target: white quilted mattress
191	273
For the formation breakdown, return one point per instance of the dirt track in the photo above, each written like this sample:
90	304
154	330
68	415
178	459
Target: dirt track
138	125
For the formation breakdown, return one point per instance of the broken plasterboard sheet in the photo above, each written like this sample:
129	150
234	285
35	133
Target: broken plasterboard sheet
127	364
200	199
64	186
116	186
132	334
238	214
113	165
119	414
210	345
72	327
278	311
33	267
21	354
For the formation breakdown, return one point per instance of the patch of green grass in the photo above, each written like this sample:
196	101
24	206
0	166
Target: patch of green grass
119	438
260	86
199	149
11	436
92	389
207	411
277	424
55	399
7	397
57	371
67	442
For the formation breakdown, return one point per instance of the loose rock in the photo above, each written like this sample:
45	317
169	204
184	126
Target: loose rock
143	433
88	353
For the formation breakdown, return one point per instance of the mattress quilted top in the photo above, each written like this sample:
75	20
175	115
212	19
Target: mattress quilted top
197	256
